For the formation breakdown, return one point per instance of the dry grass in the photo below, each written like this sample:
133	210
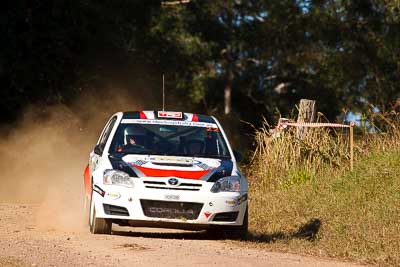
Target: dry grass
284	159
305	199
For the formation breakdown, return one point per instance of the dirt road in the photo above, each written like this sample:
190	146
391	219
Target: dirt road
25	242
42	163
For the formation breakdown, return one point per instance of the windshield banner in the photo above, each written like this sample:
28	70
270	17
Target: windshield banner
174	123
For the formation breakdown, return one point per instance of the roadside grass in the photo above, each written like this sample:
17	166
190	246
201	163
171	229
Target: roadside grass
304	198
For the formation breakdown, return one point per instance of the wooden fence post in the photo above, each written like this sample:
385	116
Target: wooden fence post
351	146
307	113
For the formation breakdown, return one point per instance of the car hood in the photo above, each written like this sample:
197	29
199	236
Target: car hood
207	169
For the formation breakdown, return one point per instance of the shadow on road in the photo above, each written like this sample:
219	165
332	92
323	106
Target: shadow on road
307	231
200	235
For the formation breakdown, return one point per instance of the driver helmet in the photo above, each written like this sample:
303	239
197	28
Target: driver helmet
133	132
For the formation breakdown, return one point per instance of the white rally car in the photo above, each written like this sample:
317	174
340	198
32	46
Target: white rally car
168	170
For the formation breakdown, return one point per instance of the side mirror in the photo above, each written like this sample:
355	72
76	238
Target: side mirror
98	150
238	155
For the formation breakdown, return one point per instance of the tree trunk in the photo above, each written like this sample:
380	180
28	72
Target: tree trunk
228	93
307	113
227	98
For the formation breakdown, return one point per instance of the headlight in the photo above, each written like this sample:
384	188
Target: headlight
227	184
118	178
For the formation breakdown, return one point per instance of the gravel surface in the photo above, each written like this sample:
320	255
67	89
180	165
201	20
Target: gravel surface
25	242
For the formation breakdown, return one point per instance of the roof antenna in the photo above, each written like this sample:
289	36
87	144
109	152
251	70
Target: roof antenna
163	93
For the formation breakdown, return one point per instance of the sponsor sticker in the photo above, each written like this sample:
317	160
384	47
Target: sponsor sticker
171	159
113	195
172	197
171	211
169	114
170	122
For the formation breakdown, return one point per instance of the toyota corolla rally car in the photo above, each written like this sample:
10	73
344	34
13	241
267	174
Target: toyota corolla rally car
165	169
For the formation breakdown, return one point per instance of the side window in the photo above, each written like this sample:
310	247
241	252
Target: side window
106	134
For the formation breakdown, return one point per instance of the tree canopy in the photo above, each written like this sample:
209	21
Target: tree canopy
246	58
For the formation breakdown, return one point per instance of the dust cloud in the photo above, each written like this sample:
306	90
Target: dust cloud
42	158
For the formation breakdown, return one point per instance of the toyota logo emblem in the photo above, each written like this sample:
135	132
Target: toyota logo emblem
173	181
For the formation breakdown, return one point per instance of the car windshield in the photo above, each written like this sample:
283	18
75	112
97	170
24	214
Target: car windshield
171	139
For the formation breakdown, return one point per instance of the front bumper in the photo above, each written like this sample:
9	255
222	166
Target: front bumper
153	202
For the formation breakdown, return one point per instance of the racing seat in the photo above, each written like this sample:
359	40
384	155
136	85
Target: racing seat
194	146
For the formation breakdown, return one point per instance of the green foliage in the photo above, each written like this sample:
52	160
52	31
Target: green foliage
296	177
43	45
270	53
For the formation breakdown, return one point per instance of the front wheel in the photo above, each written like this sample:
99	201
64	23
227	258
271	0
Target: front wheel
231	232
238	232
98	225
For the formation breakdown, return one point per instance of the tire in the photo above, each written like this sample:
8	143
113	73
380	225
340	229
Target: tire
98	225
238	232
86	208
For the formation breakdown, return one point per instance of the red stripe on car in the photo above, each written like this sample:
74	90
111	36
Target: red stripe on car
175	173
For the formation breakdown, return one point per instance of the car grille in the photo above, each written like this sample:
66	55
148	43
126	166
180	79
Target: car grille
115	210
171	209
181	186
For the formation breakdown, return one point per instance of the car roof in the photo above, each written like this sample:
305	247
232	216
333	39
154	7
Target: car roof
167	115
